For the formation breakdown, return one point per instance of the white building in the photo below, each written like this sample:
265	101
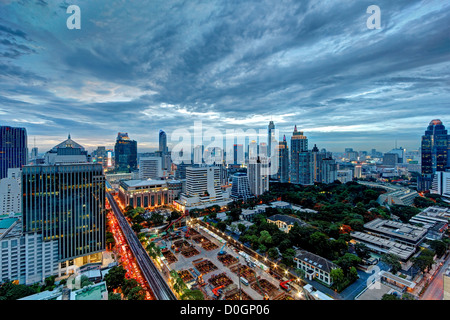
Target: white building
344	176
25	257
203	186
11	192
258	175
441	185
150	168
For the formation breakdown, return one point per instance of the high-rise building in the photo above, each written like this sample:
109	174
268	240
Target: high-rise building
238	154
66	202
13	149
240	188
125	152
163	142
198	154
323	166
150	168
400	154
270	138
390	159
299	145
441	185
258	175
435	153
11	192
283	161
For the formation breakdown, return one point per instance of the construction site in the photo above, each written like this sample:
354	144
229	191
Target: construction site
208	262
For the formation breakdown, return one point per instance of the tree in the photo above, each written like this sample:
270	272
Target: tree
128	285
337	275
136	227
362	250
115	278
10	291
136	293
265	237
273	253
192	295
389	297
241	227
222	226
440	247
393	261
424	261
347	261
114	296
84	282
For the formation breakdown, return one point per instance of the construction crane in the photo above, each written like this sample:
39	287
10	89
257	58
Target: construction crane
222	251
285	286
217	291
266	296
173	222
187	235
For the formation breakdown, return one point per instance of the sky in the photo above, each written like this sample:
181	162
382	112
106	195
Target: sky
141	66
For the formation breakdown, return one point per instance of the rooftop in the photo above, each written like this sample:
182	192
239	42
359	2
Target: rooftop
396	229
315	260
287	219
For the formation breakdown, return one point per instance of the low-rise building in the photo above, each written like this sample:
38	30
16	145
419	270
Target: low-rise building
396	231
315	266
143	193
284	222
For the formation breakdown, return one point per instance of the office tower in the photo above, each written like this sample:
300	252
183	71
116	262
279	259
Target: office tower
13	149
270	138
258	175
390	159
66	202
67	151
100	156
204	182
34	153
435	153
283	161
125	152
400	154
198	154
166	159
11	192
240	188
305	171
299	145
358	171
150	168
263	150
252	150
441	185
329	170
238	154
163	142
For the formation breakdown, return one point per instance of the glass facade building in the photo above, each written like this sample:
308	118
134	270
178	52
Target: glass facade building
66	203
125	152
435	153
13	149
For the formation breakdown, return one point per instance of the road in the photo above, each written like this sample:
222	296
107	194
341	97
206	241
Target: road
435	290
156	282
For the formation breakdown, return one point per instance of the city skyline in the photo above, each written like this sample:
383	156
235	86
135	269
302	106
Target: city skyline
314	65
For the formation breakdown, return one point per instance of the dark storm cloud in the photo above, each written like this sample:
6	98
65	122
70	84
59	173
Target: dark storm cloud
144	66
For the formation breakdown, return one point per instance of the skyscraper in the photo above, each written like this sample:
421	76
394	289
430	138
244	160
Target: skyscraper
283	161
150	168
13	149
66	202
435	153
258	175
240	188
125	152
162	142
299	145
270	138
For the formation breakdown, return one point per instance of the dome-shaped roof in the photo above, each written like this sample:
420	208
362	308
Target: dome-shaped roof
435	122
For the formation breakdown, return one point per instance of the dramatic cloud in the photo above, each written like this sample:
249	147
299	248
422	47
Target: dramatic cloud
140	66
